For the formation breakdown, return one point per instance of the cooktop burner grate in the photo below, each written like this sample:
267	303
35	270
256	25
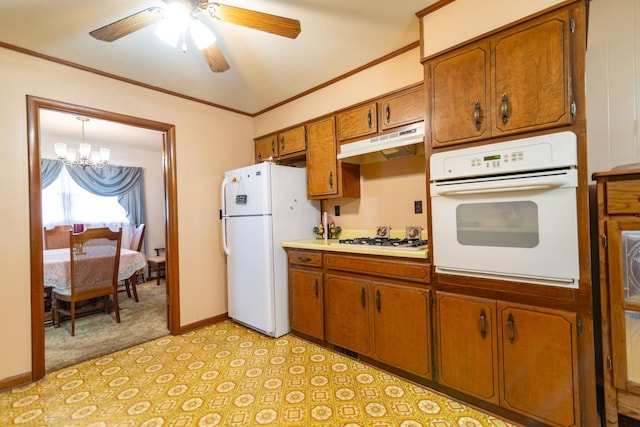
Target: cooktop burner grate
386	242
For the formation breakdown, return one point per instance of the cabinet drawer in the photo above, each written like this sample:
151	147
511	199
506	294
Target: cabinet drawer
623	197
414	271
312	259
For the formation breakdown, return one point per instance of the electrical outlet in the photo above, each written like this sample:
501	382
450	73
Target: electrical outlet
336	210
417	206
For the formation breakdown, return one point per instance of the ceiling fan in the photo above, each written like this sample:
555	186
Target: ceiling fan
186	13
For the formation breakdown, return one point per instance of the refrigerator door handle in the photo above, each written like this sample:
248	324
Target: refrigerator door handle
223	217
225	246
223	204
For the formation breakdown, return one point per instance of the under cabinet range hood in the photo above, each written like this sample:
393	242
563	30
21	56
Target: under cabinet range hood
405	142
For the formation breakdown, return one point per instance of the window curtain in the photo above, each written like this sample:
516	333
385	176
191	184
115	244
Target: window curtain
122	181
50	169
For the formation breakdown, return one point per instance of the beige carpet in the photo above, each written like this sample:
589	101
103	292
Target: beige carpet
99	334
228	375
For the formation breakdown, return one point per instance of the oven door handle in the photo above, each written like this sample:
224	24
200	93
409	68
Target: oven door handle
493	186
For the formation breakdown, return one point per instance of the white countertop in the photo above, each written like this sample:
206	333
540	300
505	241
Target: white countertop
320	245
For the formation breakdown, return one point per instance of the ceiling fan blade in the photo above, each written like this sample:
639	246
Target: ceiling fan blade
128	25
215	59
273	24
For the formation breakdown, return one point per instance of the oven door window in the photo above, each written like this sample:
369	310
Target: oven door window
511	224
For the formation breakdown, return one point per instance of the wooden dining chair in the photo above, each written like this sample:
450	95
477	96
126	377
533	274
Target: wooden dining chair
57	237
135	245
157	264
94	260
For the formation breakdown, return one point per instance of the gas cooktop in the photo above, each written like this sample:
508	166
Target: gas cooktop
387	243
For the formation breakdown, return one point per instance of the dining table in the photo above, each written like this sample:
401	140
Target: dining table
57	265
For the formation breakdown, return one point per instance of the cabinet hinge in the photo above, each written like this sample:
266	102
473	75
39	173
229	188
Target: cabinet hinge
573	108
604	240
609	363
572	25
579	327
431	300
434	369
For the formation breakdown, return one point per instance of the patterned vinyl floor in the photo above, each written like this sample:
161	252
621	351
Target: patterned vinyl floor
227	375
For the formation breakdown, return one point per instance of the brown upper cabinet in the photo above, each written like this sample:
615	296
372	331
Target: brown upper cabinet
357	122
514	81
291	141
266	147
401	108
328	177
388	112
284	143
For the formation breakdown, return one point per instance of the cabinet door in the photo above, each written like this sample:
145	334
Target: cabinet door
401	327
624	298
538	354
530	75
322	177
291	141
347	313
357	122
467	345
306	302
460	96
266	147
401	109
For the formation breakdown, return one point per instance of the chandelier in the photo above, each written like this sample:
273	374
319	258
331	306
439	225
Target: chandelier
83	157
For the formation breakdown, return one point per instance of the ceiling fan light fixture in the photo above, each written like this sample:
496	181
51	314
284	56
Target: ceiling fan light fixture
175	21
201	34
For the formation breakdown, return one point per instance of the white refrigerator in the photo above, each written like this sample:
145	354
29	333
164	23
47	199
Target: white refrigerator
262	206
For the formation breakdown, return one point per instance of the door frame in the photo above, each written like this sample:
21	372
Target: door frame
34	104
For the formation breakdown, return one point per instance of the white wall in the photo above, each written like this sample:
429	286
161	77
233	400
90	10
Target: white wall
613	84
208	142
398	72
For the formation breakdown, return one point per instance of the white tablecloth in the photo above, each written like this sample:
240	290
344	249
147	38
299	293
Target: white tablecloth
57	268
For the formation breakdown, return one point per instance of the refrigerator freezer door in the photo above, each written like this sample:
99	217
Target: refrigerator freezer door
250	272
247	191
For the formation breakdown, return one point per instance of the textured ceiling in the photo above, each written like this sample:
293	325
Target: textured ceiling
337	37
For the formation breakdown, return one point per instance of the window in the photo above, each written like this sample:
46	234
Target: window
65	202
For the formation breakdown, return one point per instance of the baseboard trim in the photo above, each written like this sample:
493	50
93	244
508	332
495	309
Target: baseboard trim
15	381
204	322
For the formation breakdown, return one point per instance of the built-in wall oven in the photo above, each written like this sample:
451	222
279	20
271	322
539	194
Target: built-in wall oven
507	210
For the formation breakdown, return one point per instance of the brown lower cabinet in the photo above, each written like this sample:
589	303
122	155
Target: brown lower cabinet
515	359
376	319
519	357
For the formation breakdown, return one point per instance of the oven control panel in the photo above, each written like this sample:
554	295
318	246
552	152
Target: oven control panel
526	154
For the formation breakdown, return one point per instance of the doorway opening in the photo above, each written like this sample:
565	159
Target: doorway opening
34	107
